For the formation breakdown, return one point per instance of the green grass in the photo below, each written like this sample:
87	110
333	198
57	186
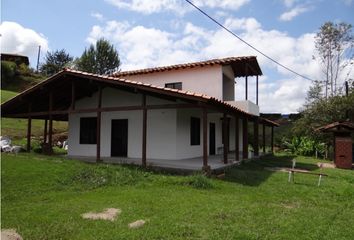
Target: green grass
6	95
43	198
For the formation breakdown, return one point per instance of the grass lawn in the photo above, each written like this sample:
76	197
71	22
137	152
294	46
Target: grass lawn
43	198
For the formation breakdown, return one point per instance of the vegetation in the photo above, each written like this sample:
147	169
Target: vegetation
6	95
43	198
55	61
101	58
334	49
325	102
305	146
17	77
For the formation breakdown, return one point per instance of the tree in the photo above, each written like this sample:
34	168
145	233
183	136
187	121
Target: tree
55	61
101	58
314	94
334	47
322	112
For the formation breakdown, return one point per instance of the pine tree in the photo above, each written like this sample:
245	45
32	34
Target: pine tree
101	58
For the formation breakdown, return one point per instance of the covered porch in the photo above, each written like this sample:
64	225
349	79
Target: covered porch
55	98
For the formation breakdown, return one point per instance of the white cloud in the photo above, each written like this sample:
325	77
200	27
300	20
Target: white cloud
289	3
224	4
148	6
98	16
20	40
289	15
140	47
248	24
177	6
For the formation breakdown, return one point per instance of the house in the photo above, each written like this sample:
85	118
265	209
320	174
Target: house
16	58
168	116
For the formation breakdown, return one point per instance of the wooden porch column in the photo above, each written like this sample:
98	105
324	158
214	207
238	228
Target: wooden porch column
263	138
45	133
237	142
73	97
205	140
257	89
143	157
98	127
29	126
50	133
225	137
245	138
256	137
246	78
246	88
272	140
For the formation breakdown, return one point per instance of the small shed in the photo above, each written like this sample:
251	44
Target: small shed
343	144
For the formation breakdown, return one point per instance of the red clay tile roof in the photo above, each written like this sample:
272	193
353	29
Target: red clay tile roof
242	66
181	92
143	86
337	126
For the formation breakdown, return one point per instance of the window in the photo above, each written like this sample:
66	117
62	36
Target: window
176	85
195	131
88	130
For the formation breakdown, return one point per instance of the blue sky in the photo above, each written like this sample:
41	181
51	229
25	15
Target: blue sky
153	33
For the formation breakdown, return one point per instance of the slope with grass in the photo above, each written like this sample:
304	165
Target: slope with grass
43	198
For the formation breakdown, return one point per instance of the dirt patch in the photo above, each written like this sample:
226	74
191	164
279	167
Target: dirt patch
10	234
108	214
136	224
326	165
279	169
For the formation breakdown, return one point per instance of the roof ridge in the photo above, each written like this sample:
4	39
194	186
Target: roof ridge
214	61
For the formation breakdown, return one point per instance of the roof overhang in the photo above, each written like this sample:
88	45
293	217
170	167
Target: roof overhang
35	100
242	66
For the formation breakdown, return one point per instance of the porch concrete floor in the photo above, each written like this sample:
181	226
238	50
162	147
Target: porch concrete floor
190	164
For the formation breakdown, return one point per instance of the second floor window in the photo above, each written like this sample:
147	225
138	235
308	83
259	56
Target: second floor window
175	85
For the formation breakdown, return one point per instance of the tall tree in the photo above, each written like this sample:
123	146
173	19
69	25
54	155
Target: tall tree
55	61
101	58
334	47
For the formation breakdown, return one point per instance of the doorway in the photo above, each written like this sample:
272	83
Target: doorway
119	138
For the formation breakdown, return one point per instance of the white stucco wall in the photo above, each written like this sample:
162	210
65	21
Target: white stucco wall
207	80
161	126
168	130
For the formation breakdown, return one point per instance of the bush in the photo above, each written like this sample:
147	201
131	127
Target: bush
200	181
8	72
304	146
95	176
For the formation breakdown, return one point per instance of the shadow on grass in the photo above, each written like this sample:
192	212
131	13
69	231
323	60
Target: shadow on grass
253	173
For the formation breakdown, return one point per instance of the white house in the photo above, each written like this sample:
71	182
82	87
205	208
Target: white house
172	113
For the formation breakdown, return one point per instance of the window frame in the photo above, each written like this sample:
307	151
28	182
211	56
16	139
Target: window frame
174	85
88	130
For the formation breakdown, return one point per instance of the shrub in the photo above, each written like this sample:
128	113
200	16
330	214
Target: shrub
8	72
304	146
95	176
200	181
